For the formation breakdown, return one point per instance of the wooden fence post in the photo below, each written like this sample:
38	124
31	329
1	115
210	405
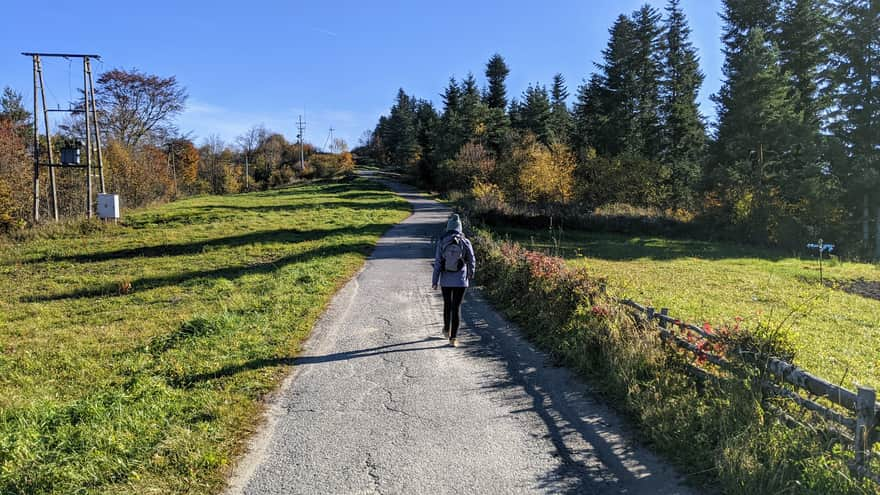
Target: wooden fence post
664	312
650	313
866	421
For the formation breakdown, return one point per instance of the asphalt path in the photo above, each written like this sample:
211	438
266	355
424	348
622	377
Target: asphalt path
378	401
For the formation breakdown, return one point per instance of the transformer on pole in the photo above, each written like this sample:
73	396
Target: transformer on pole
70	153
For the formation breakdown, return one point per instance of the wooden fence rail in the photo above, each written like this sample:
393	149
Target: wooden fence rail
861	430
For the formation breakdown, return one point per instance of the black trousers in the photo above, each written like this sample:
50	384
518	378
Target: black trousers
452	297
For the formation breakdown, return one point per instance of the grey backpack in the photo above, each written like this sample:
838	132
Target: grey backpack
452	255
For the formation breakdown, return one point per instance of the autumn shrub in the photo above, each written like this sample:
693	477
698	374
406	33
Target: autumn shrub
281	176
328	165
546	174
8	220
716	429
488	197
16	169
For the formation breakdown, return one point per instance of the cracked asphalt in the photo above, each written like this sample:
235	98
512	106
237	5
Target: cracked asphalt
378	402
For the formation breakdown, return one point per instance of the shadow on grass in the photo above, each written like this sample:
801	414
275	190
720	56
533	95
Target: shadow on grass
227	272
196	247
620	247
206	213
226	371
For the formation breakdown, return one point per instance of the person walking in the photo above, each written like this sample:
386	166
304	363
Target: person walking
454	267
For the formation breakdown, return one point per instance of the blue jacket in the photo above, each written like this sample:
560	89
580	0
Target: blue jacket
460	278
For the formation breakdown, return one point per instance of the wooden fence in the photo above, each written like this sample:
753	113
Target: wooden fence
859	413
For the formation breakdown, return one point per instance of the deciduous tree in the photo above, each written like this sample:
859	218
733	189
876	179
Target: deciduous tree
136	108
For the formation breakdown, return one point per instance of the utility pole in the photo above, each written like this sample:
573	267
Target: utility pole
90	112
247	172
301	125
97	129
89	204
48	143
36	147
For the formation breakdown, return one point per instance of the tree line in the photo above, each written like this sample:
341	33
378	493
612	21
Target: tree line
793	154
147	158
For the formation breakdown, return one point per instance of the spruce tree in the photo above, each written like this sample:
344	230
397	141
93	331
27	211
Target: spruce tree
587	115
402	140
496	74
561	124
646	66
618	91
742	16
12	109
803	36
451	126
451	97
751	158
427	123
855	120
535	113
684	132
473	111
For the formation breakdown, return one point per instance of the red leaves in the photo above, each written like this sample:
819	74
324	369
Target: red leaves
601	311
544	267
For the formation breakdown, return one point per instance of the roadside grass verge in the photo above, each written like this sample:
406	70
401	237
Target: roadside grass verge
836	334
715	430
133	358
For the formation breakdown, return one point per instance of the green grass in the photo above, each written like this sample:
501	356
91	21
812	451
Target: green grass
836	334
153	389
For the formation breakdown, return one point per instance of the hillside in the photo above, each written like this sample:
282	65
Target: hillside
134	357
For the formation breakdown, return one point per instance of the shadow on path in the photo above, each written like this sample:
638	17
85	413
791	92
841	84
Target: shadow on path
189	381
591	462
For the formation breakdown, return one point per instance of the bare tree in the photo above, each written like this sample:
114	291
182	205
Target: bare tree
137	107
248	142
211	149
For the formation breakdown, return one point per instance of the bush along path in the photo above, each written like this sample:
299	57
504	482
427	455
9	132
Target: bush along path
708	413
380	403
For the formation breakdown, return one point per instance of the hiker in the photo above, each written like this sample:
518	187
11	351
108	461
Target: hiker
454	266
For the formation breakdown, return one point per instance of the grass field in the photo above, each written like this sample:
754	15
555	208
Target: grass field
133	358
836	333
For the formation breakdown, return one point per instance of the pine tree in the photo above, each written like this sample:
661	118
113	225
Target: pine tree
427	123
535	113
473	110
12	109
588	116
855	121
751	155
646	67
402	139
803	51
496	74
561	124
684	132
743	16
451	126
617	95
451	97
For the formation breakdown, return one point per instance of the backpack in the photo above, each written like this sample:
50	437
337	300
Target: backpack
452	255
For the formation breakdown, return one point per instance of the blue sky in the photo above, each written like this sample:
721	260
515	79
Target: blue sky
341	62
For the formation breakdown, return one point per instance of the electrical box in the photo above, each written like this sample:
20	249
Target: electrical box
70	156
108	206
